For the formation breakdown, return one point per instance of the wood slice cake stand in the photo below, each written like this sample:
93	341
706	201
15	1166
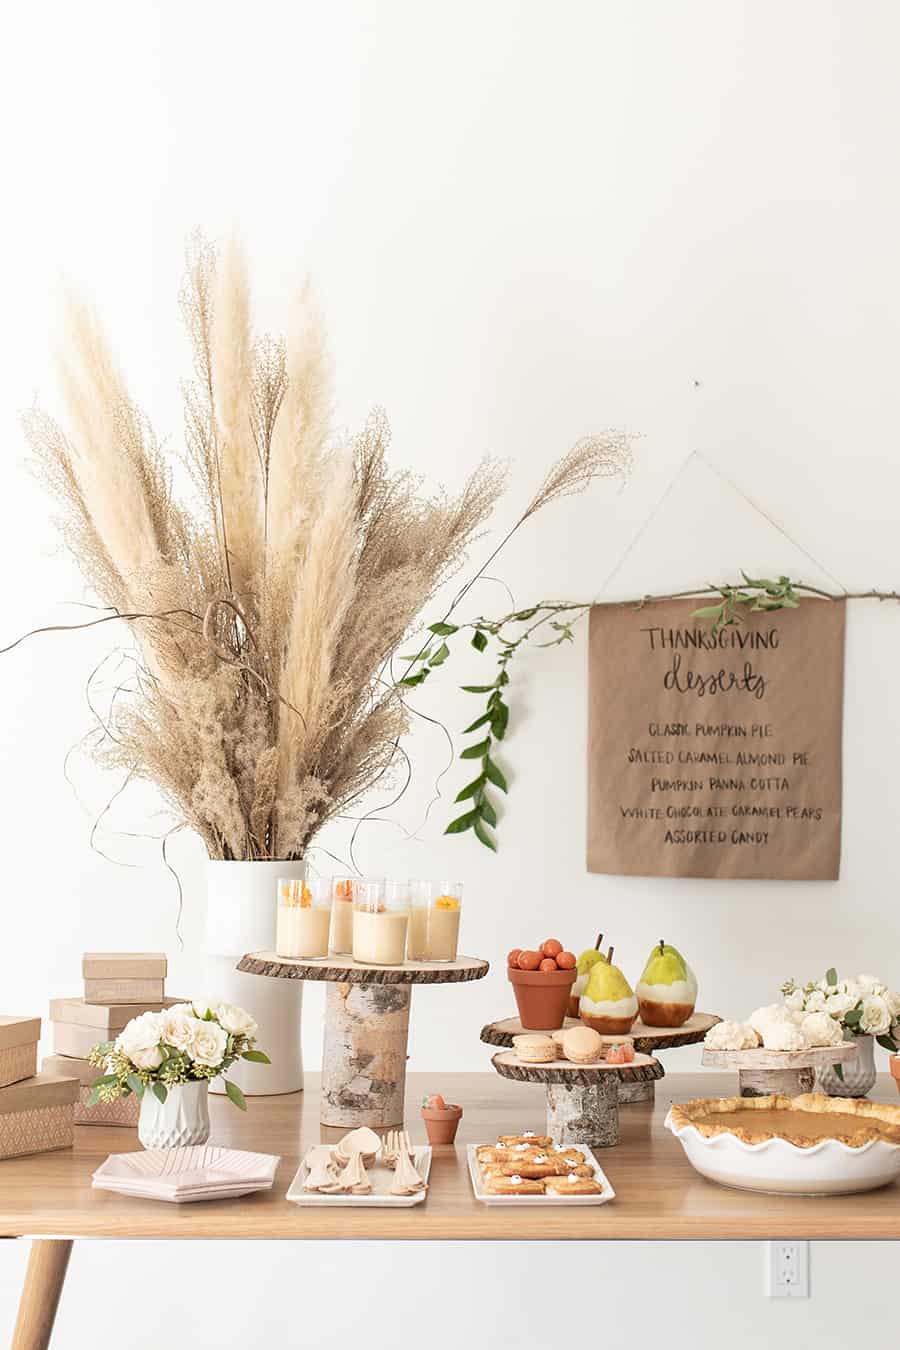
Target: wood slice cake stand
790	1072
647	1041
582	1099
366	1028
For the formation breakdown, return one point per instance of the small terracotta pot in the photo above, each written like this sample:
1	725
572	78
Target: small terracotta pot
542	996
895	1069
441	1124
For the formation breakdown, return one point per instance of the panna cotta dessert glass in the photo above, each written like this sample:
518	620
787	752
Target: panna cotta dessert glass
340	942
303	919
435	908
380	921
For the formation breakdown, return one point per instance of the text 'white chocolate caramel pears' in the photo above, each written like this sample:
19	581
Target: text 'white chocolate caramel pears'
667	989
608	1003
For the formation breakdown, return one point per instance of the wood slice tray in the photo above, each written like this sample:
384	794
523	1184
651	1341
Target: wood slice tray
643	1069
344	970
647	1040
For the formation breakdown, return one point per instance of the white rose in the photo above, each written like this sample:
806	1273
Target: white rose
868	983
838	1004
208	1044
236	1020
202	1006
876	1019
815	1001
140	1039
795	1000
892	999
178	1028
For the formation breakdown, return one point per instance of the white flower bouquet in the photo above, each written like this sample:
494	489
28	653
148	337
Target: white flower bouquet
187	1043
863	1006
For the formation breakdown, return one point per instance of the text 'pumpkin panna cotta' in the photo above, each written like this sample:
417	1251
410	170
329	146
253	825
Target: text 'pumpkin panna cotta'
667	989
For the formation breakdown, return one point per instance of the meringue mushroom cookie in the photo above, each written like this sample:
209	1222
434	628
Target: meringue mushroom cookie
535	1049
772	1012
783	1036
582	1045
821	1029
732	1036
667	990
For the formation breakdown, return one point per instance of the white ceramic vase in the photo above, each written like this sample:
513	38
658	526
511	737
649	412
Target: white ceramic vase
858	1076
182	1119
241	900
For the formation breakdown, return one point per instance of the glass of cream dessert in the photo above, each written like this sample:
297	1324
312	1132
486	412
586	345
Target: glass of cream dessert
434	920
379	923
340	942
303	919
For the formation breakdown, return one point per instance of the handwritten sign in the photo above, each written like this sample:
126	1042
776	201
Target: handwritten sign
715	754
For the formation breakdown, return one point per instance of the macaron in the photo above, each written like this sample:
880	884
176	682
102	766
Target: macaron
534	1049
582	1045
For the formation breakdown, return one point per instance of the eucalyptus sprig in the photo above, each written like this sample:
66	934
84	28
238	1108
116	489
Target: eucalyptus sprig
755	596
508	633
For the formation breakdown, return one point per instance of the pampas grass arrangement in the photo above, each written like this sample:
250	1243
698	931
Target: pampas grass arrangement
268	592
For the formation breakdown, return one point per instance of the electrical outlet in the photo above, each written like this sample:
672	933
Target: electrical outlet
788	1270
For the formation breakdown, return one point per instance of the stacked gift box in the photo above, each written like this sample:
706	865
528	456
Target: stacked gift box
117	987
36	1109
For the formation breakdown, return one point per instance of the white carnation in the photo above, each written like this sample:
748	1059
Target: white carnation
208	1044
236	1020
783	1036
140	1039
876	1019
820	1029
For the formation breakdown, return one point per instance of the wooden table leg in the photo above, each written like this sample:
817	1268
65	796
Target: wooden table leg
44	1279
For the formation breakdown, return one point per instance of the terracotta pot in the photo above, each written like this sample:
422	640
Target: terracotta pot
441	1123
894	1062
542	996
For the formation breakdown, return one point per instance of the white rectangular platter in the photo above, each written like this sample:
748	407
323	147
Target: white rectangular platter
516	1201
380	1197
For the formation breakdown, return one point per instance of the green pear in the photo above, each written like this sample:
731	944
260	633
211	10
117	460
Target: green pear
607	984
608	1003
667	989
588	959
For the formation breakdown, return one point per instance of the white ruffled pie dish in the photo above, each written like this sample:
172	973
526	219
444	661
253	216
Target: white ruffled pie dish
781	1168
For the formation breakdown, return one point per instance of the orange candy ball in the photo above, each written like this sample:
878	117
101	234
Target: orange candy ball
513	958
551	947
567	960
548	964
529	960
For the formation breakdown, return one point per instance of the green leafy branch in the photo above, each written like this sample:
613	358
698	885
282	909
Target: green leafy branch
508	634
754	597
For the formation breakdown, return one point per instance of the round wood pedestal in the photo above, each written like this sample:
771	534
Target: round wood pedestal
582	1099
764	1073
366	1029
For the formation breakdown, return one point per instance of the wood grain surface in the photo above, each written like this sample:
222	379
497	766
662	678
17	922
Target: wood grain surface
642	1069
647	1040
344	970
658	1193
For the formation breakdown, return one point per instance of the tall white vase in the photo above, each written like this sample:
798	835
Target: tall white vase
240	917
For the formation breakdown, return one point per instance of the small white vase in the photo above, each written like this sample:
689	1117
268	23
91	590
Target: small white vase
183	1118
241	915
857	1076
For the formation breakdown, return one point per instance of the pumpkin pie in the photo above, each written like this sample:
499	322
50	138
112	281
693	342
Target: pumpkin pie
803	1121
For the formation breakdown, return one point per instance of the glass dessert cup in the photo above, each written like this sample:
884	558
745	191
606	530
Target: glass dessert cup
340	942
434	921
380	922
303	919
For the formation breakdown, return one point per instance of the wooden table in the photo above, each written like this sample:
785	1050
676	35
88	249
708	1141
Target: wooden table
658	1194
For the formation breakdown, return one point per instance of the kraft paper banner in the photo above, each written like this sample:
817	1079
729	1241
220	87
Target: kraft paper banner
715	754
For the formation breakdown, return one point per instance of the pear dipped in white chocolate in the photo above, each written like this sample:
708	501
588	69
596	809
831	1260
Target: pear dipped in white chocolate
667	989
608	1003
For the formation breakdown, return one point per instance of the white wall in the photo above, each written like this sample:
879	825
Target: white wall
528	221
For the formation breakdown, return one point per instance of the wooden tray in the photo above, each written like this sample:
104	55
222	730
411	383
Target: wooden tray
647	1040
344	970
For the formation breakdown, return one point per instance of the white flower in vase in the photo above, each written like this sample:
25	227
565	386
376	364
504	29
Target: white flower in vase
209	1044
236	1020
815	1001
838	1004
796	1000
140	1039
876	1018
893	1001
178	1028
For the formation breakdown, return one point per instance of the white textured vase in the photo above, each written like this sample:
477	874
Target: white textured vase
858	1076
241	901
182	1119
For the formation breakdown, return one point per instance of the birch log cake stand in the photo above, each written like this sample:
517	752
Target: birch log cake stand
582	1099
366	1028
761	1073
647	1041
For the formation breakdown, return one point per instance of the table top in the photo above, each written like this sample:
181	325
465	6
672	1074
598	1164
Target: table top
344	970
658	1194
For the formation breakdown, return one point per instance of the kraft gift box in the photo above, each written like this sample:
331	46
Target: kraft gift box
78	1025
37	1115
125	1111
124	977
19	1038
